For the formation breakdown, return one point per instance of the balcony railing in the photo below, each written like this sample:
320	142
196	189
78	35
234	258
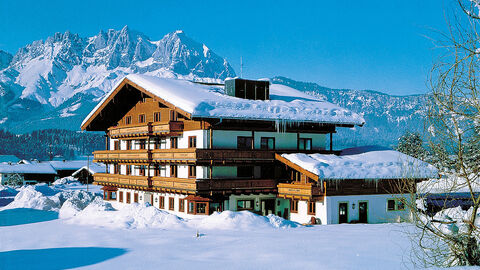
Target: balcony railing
236	185
117	179
306	191
170	184
137	156
146	129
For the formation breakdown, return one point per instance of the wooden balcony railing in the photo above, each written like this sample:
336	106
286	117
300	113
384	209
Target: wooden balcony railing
228	155
137	156
117	179
174	155
236	185
304	191
146	129
170	184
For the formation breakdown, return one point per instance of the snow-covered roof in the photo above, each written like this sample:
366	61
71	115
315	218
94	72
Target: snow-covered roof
9	158
285	104
92	168
367	162
69	164
37	168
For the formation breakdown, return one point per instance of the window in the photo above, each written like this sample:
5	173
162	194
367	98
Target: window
128	145
162	202
192	171
201	208
244	205
160	170
141	118
160	143
129	169
174	142
245	171
294	206
127	196
120	196
304	144
128	120
181	205
244	142
135	197
141	144
173	170
311	207
267	143
192	141
141	170
395	205
116	168
116	145
173	116
191	207
171	204
157	117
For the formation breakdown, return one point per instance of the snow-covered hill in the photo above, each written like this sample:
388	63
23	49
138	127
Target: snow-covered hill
63	76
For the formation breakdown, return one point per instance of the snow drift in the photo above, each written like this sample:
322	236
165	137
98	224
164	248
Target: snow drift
80	207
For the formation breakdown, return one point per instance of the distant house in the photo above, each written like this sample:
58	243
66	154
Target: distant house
27	173
68	167
9	159
86	173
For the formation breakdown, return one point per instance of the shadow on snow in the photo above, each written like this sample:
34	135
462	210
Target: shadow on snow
18	216
56	258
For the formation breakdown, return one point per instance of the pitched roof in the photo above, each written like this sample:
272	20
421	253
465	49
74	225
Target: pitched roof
368	162
33	168
203	101
9	158
92	168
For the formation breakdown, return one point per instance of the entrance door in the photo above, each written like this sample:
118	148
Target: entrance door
148	198
363	212
268	207
342	212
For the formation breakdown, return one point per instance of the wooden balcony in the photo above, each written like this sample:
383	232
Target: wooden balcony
302	191
169	184
234	155
147	129
121	180
185	155
123	156
238	186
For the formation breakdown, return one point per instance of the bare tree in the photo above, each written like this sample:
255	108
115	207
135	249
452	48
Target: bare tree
449	235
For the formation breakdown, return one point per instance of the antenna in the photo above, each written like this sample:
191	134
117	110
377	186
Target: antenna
241	67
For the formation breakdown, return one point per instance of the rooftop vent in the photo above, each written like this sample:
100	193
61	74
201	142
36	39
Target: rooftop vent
247	89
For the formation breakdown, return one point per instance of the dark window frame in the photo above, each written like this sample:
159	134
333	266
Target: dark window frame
142	118
173	142
245	142
252	203
192	141
293	206
161	202
264	143
171	204
305	140
192	171
157	116
311	207
174	171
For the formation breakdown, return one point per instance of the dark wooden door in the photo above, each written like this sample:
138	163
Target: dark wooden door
268	207
363	212
342	212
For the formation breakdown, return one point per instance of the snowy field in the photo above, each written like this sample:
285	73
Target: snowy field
63	227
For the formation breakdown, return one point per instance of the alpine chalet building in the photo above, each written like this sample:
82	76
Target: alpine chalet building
195	148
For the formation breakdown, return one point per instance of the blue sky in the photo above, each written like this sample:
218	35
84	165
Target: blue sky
377	45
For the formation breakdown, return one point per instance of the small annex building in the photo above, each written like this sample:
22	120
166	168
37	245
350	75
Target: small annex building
195	148
363	184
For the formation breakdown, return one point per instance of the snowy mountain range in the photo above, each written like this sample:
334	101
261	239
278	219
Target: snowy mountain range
54	83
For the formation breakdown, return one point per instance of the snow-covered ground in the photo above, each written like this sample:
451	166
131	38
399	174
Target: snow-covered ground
62	226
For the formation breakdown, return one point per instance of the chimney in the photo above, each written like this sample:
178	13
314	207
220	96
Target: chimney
247	89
